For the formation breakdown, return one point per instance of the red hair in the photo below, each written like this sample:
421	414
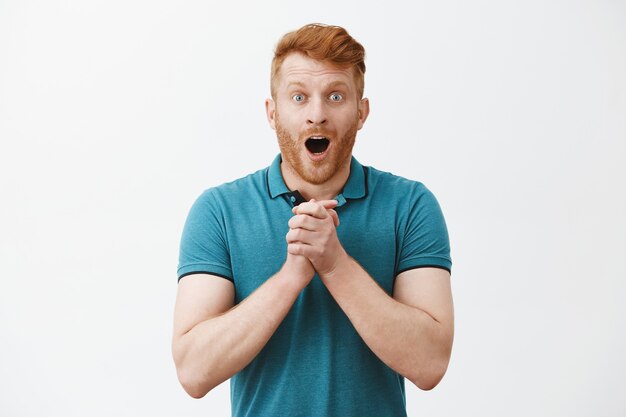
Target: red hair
326	43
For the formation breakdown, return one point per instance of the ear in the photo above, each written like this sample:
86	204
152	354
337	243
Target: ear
270	111
364	111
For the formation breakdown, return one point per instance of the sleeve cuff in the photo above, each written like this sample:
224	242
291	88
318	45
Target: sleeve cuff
442	262
205	268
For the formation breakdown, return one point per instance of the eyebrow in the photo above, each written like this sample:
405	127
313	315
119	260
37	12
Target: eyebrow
326	87
295	83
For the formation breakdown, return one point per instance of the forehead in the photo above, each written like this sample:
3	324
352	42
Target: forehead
299	68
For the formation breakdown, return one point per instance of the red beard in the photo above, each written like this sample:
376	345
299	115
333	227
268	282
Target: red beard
294	152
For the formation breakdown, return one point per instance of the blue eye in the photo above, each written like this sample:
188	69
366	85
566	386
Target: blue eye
336	97
298	97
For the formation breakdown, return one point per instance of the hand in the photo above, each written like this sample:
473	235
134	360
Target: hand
312	233
298	269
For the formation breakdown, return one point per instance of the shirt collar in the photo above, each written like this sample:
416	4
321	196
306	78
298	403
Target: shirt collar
355	187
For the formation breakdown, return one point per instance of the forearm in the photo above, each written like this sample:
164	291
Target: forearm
407	339
217	348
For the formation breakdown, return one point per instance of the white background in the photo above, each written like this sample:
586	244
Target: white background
115	115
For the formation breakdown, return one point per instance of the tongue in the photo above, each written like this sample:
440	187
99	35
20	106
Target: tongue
317	145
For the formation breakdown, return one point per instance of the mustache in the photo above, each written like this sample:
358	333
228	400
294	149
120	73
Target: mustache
317	132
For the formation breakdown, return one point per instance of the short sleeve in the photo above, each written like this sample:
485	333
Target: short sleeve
204	244
424	241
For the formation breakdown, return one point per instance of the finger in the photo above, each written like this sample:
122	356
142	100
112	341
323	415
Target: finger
294	249
327	204
299	249
312	209
295	208
335	217
303	221
299	235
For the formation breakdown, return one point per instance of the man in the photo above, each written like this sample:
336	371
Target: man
317	284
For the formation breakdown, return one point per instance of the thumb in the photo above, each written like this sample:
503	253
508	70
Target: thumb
328	204
334	216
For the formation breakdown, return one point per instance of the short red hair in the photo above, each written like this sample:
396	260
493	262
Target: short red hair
326	43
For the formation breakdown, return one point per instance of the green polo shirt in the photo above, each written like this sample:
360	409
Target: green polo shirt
315	364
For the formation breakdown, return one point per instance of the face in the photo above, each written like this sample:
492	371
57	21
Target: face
316	114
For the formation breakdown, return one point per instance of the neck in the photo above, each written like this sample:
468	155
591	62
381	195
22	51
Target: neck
325	191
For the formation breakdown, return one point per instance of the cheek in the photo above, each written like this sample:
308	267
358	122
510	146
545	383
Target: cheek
350	119
289	125
285	115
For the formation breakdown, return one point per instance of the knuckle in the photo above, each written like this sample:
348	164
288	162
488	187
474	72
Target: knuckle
302	220
295	221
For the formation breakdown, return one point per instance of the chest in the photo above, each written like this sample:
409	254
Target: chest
258	248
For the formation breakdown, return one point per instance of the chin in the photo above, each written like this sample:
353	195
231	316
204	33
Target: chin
319	172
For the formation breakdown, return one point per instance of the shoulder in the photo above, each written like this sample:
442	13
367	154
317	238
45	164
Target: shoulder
422	234
388	185
234	191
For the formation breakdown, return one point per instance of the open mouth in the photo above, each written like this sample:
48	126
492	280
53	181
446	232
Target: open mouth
317	144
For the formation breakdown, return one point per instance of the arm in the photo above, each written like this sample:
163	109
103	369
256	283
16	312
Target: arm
212	339
412	331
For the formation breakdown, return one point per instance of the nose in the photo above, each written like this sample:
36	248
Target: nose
317	113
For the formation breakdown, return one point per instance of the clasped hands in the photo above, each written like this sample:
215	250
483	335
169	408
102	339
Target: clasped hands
313	235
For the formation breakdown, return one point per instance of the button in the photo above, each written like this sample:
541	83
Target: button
296	198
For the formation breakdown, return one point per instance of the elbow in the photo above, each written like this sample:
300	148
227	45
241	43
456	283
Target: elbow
430	378
194	392
435	365
190	379
426	384
193	384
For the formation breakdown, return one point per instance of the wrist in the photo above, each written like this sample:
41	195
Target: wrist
296	272
339	268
